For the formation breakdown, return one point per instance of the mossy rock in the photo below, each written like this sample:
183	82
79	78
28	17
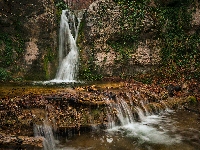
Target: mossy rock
192	100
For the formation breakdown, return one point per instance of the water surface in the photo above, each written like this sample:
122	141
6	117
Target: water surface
170	130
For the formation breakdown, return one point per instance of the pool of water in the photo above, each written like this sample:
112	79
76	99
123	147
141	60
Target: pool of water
179	130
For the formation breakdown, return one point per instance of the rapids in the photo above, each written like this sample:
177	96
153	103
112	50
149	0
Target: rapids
168	130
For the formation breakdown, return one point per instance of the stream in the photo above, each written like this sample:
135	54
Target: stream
164	130
168	130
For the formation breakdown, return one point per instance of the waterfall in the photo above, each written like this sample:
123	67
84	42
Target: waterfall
68	50
145	129
121	110
45	131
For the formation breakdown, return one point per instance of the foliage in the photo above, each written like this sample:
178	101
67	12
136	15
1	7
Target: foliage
60	5
90	74
192	100
179	48
132	19
6	56
48	58
88	70
11	45
4	75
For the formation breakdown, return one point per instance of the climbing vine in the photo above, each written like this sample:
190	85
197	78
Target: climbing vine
180	48
48	58
171	27
12	50
88	70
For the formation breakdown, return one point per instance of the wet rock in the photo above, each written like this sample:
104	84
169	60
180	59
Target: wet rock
15	141
76	108
172	89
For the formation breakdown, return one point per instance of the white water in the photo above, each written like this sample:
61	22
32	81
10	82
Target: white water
45	131
68	50
146	130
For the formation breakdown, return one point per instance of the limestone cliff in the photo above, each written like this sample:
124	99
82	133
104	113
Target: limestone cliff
119	38
112	40
28	38
103	24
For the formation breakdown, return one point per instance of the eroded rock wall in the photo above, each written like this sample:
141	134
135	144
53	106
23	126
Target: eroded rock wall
103	43
103	26
28	38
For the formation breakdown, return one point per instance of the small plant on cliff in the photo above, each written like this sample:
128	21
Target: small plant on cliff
60	5
4	75
89	72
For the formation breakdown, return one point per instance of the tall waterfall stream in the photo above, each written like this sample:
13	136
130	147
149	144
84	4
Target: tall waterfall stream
68	50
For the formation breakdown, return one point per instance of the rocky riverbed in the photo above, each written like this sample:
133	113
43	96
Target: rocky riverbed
80	107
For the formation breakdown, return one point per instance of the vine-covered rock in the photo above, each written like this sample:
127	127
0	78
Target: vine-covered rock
28	38
122	38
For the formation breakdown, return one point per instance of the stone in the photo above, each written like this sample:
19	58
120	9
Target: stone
32	25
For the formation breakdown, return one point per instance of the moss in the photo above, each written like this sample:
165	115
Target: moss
192	100
46	63
48	59
4	75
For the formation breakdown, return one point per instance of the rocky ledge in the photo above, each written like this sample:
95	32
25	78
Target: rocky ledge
85	106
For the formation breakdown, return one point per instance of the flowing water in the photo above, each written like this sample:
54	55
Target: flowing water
166	130
68	50
45	131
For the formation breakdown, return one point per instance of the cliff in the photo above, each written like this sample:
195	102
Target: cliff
28	39
116	38
120	38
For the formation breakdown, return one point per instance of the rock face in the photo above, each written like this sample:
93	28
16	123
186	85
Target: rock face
28	38
104	44
102	29
78	4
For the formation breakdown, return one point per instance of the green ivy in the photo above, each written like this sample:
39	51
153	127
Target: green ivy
179	48
60	5
10	43
6	56
88	71
48	58
90	74
4	75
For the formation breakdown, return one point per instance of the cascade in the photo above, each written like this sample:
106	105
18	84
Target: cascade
144	130
68	50
46	132
122	111
140	113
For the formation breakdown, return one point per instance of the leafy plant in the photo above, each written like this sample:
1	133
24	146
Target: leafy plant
88	70
4	75
60	5
179	48
192	100
48	58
